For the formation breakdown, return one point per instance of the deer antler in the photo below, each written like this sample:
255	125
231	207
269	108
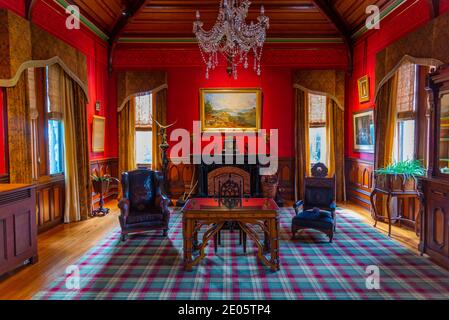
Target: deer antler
162	126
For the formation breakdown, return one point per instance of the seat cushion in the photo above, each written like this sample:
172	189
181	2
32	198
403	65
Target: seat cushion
141	218
315	218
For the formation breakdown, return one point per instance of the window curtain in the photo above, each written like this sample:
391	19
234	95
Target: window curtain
160	115
126	126
19	132
335	146
385	124
302	149
78	196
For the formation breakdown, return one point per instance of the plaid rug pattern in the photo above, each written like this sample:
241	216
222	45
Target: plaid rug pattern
150	267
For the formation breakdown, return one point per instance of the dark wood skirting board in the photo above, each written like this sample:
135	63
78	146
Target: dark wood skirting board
359	181
4	178
180	178
109	166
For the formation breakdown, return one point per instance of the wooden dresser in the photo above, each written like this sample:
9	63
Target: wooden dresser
18	229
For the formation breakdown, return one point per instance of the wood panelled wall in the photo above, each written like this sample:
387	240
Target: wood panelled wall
359	181
50	203
180	178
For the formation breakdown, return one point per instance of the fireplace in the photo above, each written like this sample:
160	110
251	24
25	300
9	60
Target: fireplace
246	175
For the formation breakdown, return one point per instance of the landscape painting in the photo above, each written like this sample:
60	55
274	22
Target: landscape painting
364	131
225	110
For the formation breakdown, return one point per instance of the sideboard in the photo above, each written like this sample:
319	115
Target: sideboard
18	229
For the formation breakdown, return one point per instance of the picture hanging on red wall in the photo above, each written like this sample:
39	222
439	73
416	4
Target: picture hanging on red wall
364	95
364	131
227	110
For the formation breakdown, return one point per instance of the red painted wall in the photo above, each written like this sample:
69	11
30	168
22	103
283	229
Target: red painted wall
51	17
408	18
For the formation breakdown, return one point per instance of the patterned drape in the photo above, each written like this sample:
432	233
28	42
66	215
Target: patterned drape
302	150
336	147
19	132
126	127
78	196
160	115
385	121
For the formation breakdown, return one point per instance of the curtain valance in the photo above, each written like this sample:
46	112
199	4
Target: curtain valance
131	84
24	45
330	83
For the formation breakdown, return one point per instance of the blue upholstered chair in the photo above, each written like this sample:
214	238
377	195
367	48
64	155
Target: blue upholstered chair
317	210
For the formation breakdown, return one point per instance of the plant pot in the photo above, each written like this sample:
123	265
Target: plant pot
395	183
270	186
100	187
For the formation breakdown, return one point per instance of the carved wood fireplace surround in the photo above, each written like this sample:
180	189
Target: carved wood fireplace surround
245	174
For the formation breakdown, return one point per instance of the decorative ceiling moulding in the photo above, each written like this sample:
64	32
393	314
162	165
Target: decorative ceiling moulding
330	83
130	84
383	14
24	45
86	22
431	49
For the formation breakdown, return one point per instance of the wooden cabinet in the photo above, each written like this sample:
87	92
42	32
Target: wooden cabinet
18	232
435	187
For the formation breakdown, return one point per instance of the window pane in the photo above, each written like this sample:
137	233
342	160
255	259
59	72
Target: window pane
55	152
143	111
144	151
317	140
406	140
317	109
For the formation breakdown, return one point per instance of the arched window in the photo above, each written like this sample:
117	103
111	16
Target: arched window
317	128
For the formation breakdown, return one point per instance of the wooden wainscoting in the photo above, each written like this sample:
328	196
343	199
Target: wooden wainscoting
180	178
105	166
4	178
359	181
50	197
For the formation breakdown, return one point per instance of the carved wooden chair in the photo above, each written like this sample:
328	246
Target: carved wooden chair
230	190
317	210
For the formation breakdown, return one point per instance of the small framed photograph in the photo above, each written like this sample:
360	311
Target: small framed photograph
98	131
364	131
364	95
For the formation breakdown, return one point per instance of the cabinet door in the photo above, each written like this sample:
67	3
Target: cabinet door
437	224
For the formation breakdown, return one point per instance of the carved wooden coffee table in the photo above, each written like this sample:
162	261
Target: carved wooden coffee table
250	214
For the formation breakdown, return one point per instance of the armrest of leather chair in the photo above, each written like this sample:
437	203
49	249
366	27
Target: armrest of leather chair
124	207
299	205
333	206
162	201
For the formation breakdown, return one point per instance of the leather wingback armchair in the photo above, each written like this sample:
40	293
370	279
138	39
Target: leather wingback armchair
143	206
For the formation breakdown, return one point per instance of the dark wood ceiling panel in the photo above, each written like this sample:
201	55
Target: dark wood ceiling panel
353	12
174	18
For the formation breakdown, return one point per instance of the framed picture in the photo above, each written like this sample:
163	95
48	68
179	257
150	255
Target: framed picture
227	110
364	89
98	130
364	131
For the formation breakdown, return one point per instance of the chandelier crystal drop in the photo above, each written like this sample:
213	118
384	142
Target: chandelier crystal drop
232	37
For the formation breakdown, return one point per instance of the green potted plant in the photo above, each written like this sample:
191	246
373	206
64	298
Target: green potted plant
100	184
400	176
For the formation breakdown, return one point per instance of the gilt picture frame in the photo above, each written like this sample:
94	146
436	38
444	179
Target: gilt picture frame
363	85
230	110
98	133
363	126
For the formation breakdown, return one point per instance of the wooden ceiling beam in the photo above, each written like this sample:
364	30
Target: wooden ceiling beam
29	5
334	17
434	7
127	16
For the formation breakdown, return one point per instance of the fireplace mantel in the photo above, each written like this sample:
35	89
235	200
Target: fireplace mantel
252	169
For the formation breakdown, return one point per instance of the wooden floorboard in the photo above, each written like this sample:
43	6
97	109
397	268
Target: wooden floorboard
65	244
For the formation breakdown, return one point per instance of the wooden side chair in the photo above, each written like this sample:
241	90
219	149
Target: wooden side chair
230	189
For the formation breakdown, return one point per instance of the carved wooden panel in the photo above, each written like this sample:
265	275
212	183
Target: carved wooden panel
286	172
359	181
50	202
22	232
438	227
3	241
219	176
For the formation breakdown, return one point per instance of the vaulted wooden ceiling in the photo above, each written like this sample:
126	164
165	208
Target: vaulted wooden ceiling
172	19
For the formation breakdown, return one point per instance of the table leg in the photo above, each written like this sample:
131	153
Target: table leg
389	214
274	243
266	240
188	239
373	205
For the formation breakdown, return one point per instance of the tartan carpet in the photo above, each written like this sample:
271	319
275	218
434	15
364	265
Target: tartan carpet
150	267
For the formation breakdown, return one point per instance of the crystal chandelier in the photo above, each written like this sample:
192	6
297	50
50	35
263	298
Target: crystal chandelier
232	37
